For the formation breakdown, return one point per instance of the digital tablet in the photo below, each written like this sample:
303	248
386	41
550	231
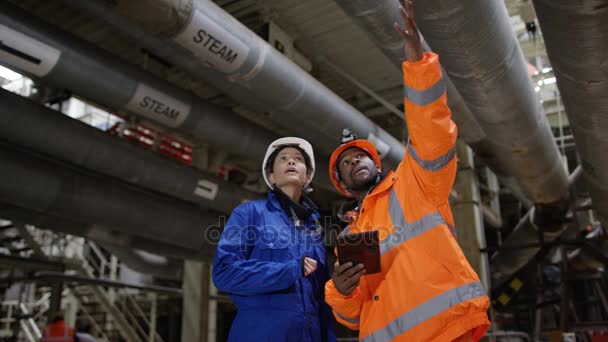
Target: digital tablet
360	248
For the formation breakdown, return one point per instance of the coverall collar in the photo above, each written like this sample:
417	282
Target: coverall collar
278	200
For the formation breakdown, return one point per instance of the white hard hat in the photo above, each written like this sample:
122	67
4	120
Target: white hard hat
286	142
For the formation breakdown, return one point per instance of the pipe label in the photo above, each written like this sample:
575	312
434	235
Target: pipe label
25	53
158	106
215	46
206	189
380	145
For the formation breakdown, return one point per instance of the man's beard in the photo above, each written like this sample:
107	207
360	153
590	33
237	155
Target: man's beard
363	184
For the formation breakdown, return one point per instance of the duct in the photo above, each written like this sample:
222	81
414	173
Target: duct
482	57
523	243
95	75
376	18
216	48
85	146
31	182
97	233
576	38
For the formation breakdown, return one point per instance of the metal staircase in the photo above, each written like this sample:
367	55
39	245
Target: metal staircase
113	313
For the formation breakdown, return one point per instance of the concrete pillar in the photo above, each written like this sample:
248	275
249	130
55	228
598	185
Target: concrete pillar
195	312
212	327
468	215
71	309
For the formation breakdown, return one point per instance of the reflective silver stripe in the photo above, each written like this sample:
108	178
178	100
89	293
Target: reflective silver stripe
345	231
433	165
452	229
348	319
427	310
403	230
426	96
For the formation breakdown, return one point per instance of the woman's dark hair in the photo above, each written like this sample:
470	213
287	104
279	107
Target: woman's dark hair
275	153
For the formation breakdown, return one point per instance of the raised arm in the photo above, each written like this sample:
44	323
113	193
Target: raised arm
431	151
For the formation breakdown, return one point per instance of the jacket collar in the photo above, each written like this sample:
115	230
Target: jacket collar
385	183
274	204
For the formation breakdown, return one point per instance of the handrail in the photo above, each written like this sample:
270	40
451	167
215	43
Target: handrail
131	318
144	317
86	312
30	321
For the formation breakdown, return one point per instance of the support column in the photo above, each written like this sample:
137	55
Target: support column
195	312
212	327
56	292
153	302
468	215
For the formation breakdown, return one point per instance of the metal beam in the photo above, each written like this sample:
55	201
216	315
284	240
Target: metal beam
69	278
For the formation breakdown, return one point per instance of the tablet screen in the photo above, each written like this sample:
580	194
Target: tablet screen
360	248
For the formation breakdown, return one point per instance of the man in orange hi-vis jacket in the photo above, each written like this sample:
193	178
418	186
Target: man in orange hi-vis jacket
426	290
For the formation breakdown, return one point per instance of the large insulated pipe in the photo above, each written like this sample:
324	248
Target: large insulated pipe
482	57
203	39
376	18
36	183
59	59
576	37
79	144
99	234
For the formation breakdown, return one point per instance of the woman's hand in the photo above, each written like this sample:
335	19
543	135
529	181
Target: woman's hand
310	265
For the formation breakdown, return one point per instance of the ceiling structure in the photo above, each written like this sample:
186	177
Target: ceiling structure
321	31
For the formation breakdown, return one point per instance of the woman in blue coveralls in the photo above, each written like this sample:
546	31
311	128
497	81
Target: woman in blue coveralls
271	256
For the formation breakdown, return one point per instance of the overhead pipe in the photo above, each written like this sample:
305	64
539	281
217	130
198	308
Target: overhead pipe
376	18
36	183
482	57
63	61
77	143
576	38
98	233
201	38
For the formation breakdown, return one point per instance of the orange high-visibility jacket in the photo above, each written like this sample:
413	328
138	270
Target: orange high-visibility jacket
427	291
57	332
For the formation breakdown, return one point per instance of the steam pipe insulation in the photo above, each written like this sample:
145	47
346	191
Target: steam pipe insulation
206	41
77	143
481	54
376	18
97	76
33	182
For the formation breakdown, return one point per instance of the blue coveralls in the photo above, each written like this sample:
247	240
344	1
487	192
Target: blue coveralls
258	261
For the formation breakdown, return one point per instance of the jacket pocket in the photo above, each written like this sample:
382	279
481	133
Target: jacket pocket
275	251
